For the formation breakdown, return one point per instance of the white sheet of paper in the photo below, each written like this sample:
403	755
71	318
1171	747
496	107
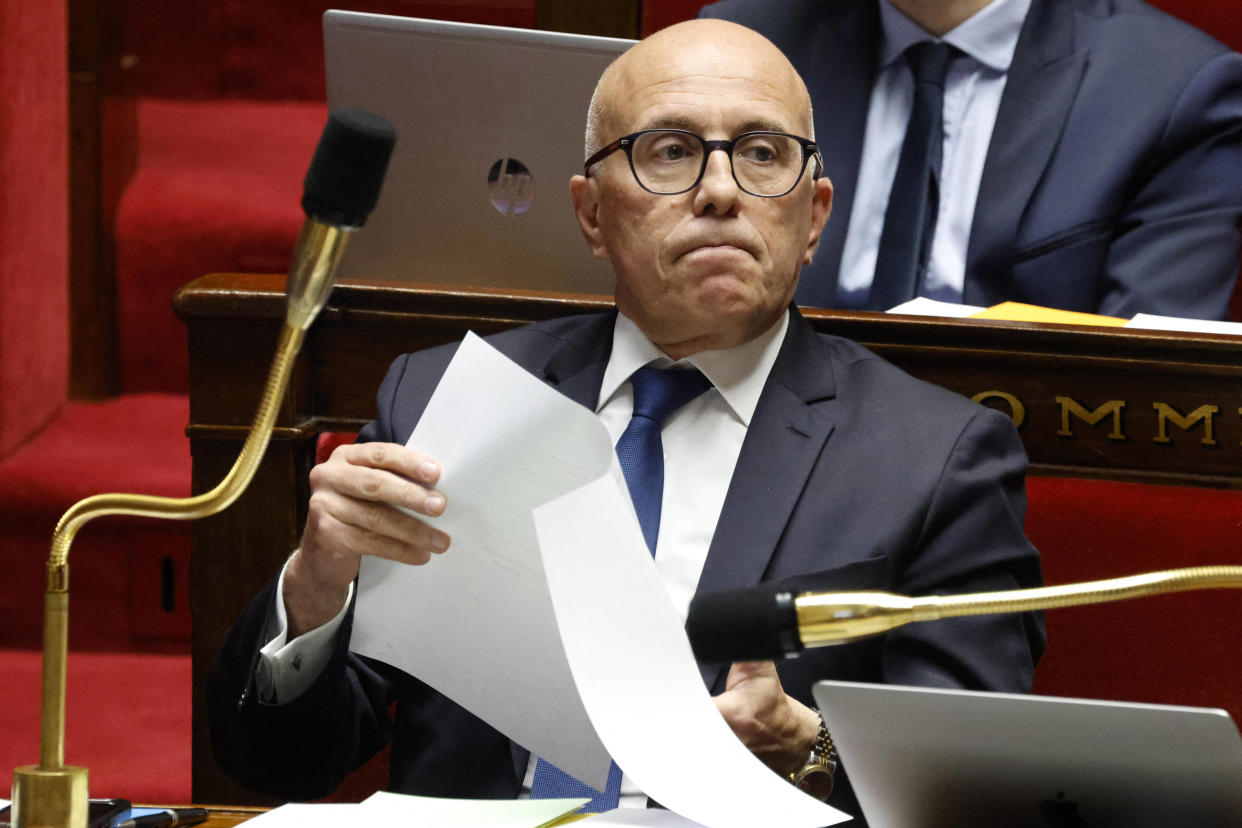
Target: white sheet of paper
637	676
477	622
384	808
1153	322
310	815
922	306
641	818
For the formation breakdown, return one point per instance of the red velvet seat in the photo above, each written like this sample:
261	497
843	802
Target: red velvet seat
217	189
54	452
1175	649
129	576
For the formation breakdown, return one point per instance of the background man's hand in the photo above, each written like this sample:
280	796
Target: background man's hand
776	728
351	514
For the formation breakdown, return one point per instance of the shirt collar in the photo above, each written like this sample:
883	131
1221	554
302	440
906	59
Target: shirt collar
739	374
990	36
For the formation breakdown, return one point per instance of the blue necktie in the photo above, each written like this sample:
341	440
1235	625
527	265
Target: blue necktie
657	394
910	220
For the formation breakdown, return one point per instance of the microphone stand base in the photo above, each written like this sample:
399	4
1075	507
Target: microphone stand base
55	798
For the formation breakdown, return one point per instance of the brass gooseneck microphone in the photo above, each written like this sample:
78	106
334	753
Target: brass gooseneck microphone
761	623
341	188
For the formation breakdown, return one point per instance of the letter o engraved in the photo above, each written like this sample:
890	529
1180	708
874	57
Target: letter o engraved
1017	411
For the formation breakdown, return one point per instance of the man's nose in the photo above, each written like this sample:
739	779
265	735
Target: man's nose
717	191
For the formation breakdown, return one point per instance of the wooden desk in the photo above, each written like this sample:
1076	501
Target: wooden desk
1096	402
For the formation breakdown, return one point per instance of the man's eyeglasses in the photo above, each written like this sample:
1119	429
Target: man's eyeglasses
672	161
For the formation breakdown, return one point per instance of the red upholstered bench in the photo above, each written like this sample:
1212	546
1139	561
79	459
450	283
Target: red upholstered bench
218	189
1174	649
52	451
129	576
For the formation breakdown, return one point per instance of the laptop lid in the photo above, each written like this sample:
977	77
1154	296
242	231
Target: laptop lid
490	125
921	757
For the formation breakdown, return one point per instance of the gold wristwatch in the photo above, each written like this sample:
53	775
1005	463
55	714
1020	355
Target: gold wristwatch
815	777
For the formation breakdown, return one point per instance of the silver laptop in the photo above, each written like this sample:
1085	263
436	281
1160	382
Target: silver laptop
490	127
921	758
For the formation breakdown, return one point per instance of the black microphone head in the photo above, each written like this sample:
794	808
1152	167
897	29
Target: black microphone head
343	182
753	624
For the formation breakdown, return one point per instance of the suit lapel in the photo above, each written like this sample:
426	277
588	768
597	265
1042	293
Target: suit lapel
1043	81
576	366
846	40
781	448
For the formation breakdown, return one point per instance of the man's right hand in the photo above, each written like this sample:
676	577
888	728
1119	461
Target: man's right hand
351	515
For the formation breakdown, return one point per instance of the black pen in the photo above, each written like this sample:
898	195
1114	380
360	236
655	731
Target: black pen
167	818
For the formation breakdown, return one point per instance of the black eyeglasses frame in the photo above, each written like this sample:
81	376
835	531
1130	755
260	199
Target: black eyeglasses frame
626	142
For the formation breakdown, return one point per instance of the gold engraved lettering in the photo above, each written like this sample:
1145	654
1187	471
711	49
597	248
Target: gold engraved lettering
1069	406
1167	412
1017	411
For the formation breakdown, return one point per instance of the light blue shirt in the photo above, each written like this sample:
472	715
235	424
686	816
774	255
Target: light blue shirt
972	98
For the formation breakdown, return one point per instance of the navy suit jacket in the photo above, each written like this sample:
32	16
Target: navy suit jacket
852	475
1113	181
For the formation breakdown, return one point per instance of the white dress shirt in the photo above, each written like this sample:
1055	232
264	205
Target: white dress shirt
702	441
973	89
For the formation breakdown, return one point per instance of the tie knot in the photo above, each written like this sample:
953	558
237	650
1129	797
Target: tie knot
659	392
929	61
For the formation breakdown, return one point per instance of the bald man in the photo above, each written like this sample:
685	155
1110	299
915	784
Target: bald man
808	461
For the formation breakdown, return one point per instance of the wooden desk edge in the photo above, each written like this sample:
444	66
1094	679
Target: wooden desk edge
221	816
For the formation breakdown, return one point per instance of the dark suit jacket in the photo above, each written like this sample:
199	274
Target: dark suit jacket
852	475
1113	181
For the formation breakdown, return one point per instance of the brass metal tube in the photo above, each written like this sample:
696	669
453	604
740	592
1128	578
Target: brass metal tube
56	606
1091	592
52	794
836	618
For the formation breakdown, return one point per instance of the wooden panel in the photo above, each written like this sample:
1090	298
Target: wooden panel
234	554
102	156
1138	385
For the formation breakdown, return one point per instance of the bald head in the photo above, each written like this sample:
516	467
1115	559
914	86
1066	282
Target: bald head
714	49
713	265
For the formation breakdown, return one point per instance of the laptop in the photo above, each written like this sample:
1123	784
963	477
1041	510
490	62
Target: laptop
923	758
490	125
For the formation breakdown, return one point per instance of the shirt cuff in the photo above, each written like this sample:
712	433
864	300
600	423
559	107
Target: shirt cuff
287	668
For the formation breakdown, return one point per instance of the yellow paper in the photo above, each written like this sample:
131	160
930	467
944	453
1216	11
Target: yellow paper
1021	312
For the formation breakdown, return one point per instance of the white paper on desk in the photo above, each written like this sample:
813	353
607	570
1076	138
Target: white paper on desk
476	623
384	808
641	818
1152	322
922	306
310	815
637	675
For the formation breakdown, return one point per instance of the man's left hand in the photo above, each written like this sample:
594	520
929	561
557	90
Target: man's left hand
776	728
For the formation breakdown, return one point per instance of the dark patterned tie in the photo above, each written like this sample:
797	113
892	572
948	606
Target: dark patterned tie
657	394
910	220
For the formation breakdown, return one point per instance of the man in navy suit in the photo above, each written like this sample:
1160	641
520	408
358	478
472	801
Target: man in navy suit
809	461
1092	158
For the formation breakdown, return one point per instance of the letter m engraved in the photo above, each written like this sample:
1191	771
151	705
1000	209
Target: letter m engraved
1113	408
1166	413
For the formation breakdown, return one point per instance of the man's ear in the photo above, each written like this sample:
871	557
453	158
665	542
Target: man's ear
584	192
821	208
